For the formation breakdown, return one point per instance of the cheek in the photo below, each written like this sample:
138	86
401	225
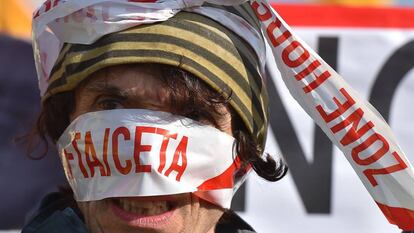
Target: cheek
202	216
96	215
209	215
185	215
89	211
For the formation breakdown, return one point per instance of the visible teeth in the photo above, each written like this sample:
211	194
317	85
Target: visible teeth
144	208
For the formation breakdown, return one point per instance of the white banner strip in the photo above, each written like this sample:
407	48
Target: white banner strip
136	152
349	121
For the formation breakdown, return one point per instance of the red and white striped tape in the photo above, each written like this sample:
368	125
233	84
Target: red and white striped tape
137	152
348	120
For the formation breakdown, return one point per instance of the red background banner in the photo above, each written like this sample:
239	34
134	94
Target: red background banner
342	16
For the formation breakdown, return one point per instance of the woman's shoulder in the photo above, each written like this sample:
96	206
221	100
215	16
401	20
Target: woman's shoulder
56	214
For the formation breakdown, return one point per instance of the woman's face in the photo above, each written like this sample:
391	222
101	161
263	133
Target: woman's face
140	87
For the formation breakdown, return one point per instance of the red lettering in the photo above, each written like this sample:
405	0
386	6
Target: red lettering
75	147
342	107
56	3
319	79
262	17
36	14
68	156
128	164
181	150
139	148
270	33
308	70
365	145
276	24
105	152
48	5
289	50
164	146
354	133
401	165
90	155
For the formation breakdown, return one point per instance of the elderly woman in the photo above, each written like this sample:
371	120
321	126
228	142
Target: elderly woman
159	111
157	125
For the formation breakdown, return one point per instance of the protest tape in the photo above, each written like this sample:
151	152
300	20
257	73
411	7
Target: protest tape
136	152
349	121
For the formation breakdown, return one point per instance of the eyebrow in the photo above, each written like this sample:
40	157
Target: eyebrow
103	87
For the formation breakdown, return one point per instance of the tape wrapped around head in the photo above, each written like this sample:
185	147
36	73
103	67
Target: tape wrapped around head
190	41
139	152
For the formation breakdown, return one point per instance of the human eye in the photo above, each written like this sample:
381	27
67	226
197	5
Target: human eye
107	103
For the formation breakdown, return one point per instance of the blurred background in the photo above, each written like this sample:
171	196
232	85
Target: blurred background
24	181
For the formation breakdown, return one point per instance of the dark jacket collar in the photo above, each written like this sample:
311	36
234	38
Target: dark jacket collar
230	222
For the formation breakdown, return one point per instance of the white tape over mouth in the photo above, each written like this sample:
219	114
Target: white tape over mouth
137	152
